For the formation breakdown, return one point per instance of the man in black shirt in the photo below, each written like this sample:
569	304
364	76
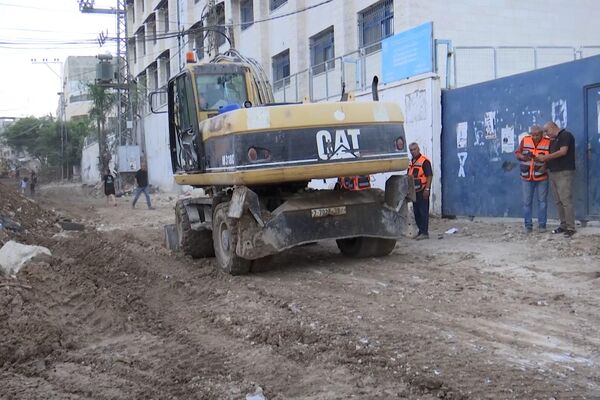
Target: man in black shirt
141	177
561	164
109	188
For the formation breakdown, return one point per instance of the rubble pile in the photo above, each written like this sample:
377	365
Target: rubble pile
22	219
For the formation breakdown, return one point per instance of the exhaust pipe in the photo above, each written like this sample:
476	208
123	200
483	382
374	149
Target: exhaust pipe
374	89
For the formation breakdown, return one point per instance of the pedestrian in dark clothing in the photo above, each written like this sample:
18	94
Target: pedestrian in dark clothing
32	182
109	188
422	173
141	177
561	164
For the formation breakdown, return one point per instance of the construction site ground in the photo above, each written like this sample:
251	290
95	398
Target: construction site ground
485	313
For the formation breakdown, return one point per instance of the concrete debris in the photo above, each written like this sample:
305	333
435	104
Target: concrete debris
256	395
13	256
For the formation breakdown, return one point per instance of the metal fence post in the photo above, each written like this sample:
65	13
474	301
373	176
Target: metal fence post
343	75
327	80
495	64
454	67
310	83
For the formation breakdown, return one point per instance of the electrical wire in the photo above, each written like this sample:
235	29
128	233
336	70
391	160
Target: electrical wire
38	8
157	36
264	19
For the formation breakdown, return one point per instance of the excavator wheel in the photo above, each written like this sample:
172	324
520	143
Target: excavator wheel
360	247
198	244
225	241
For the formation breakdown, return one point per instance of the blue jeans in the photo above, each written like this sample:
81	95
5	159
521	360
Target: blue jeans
529	187
138	191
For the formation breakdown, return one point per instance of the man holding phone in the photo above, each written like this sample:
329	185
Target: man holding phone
534	176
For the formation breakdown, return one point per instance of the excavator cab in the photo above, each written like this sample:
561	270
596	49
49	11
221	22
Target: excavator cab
200	92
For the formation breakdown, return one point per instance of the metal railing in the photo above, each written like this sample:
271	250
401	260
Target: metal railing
474	64
458	66
324	81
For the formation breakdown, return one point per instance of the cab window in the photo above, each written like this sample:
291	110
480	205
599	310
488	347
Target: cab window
218	90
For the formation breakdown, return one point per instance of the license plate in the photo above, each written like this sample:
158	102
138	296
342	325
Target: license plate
327	211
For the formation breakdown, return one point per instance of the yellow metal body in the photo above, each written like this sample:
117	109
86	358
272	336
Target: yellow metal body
295	116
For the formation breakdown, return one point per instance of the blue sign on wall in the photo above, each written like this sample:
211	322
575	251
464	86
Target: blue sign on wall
408	53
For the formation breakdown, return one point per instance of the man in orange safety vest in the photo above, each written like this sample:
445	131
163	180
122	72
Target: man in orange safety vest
534	176
422	173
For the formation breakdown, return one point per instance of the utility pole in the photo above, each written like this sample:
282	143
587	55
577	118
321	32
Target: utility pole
124	110
62	110
212	19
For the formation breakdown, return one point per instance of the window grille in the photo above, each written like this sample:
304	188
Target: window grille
246	13
375	24
322	52
281	69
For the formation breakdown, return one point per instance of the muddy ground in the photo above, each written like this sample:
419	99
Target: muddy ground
486	313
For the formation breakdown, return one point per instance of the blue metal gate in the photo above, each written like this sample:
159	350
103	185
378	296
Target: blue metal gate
482	126
592	97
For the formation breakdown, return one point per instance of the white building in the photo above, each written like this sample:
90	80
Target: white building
78	72
310	46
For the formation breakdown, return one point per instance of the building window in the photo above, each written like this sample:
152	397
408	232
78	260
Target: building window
196	35
281	69
246	13
221	24
322	51
151	25
131	10
133	50
164	16
276	4
152	74
142	89
142	40
375	24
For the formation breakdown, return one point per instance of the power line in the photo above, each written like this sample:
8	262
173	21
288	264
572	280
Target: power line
37	8
261	20
169	35
45	31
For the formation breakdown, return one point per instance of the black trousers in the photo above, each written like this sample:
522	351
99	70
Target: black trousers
421	209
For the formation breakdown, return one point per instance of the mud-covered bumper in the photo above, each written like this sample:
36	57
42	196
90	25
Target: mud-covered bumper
319	215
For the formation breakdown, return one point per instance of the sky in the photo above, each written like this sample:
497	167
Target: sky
44	29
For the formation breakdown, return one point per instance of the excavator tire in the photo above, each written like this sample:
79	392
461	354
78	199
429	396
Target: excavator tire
225	241
198	244
361	247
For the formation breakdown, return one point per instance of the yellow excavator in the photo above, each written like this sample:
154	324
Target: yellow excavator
254	159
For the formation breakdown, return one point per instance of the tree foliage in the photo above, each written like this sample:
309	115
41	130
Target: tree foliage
103	101
41	138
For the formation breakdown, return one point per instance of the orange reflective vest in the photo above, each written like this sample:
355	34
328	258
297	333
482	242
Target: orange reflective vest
415	169
532	170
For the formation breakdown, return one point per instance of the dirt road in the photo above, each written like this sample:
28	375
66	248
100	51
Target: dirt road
485	313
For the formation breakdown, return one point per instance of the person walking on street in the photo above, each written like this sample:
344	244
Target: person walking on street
561	164
420	169
141	177
32	183
109	188
24	181
534	176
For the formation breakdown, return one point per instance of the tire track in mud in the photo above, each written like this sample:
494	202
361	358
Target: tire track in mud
133	321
